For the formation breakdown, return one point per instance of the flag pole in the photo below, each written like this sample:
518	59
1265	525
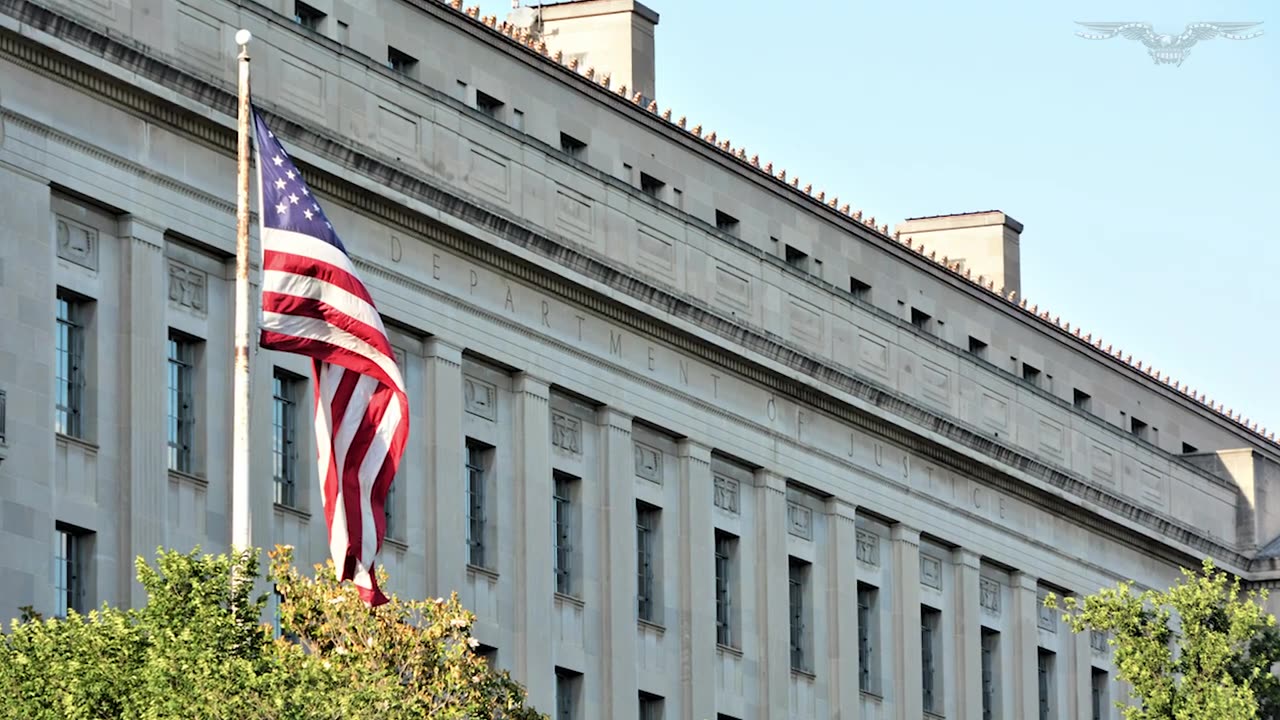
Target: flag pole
241	526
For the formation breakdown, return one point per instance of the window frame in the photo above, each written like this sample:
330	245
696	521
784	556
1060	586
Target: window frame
477	460
180	431
648	543
726	550
284	429
564	533
70	358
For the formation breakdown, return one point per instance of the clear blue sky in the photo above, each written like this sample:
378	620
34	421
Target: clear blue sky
1149	193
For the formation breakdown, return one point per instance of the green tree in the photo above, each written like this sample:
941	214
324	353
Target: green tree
199	650
1217	666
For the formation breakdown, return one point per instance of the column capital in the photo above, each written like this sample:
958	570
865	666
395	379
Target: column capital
611	417
902	532
141	229
842	508
526	384
770	480
693	450
1019	580
966	557
440	349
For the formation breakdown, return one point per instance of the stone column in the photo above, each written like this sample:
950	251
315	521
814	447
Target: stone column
968	628
445	502
908	693
532	533
617	564
1026	642
144	333
1080	679
697	581
842	612
773	611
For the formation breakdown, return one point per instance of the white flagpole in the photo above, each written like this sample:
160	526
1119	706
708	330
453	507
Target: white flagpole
241	525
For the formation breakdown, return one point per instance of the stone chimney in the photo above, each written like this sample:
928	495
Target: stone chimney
613	36
986	243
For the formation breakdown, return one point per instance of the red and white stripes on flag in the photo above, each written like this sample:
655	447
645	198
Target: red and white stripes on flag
313	304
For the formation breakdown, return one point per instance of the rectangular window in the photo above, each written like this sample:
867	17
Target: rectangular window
390	511
1031	374
647	544
1045	665
867	596
796	258
922	320
859	289
568	686
489	105
726	223
3	414
182	417
572	146
1082	400
929	656
977	348
70	359
565	534
1098	693
1139	428
990	656
478	460
798	572
307	16
71	559
401	62
650	706
651	185
726	556
284	426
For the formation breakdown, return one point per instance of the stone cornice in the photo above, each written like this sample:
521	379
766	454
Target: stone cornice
211	133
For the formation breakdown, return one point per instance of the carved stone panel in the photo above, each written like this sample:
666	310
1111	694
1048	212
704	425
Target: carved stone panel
1047	619
931	572
1098	641
989	595
481	398
649	463
869	548
566	433
727	494
799	520
188	287
77	243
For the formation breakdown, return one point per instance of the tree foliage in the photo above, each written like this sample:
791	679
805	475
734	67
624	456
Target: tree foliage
198	649
1216	665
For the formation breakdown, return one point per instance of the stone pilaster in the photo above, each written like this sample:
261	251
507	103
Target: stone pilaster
445	502
617	564
968	628
842	610
697	581
1080	676
145	334
1025	670
908	681
772	613
532	533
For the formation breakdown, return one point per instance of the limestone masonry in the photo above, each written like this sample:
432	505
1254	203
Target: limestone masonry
693	439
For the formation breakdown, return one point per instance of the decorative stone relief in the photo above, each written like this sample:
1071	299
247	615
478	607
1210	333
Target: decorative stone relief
869	548
648	463
188	287
566	433
1098	641
799	520
1047	620
727	494
480	398
77	243
989	595
931	572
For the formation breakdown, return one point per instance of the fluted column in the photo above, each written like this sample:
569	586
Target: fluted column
772	615
534	605
697	581
445	502
842	612
908	695
968	625
617	563
144	331
1026	616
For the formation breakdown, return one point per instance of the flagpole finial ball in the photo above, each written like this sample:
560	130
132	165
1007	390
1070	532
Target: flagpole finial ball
243	37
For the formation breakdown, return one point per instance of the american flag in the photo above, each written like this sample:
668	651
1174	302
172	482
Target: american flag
313	304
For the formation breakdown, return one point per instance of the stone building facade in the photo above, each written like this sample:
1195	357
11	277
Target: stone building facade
691	439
